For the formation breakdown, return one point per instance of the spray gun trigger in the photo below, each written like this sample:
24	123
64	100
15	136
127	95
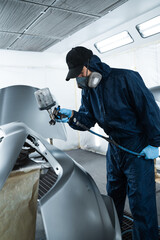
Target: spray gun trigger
59	115
63	116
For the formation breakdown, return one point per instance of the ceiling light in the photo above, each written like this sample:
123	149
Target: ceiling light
113	42
149	28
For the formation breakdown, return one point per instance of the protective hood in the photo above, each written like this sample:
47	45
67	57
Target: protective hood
95	65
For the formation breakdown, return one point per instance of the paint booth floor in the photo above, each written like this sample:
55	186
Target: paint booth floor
95	165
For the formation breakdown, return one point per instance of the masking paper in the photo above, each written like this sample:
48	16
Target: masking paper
18	206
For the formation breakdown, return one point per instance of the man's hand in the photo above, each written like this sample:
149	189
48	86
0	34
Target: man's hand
67	112
150	152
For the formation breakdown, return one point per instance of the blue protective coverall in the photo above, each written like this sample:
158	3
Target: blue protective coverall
126	110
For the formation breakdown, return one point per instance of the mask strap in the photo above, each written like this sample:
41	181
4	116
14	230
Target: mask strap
87	67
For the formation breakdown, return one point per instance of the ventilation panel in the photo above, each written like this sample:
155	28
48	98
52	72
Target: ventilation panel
32	43
43	2
58	23
94	7
35	25
16	16
6	39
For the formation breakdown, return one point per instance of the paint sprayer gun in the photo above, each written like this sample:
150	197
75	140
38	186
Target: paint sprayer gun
45	101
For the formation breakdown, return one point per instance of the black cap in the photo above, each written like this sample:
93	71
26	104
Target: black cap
75	59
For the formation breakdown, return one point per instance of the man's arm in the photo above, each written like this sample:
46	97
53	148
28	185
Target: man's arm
84	115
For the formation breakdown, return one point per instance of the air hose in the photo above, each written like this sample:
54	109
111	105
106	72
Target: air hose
108	140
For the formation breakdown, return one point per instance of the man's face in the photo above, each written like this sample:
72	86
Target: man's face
83	77
85	72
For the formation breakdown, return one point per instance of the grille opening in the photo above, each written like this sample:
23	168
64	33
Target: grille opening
46	182
127	226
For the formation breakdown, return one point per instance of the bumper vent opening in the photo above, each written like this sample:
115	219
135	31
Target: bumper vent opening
46	182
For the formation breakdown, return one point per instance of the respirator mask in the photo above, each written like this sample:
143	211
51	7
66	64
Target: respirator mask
91	81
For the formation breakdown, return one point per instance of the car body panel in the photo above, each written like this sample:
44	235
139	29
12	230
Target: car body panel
73	208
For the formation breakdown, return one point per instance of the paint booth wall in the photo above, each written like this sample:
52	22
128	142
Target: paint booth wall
49	70
40	70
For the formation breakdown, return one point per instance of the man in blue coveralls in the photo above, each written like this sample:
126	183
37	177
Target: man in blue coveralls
119	101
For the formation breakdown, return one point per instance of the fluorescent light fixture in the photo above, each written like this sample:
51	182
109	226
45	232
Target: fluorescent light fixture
113	42
149	28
